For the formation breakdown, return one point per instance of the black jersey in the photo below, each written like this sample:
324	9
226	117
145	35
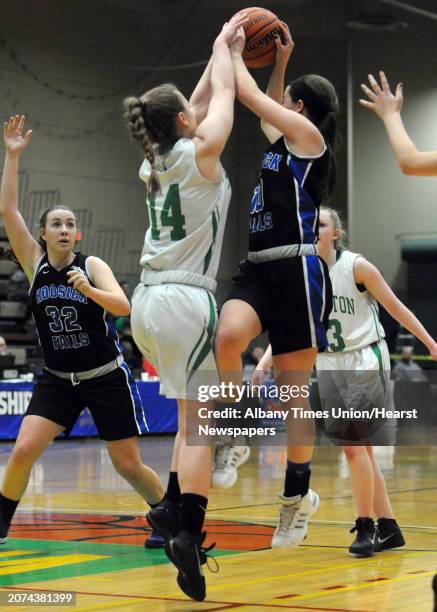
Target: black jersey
285	204
73	330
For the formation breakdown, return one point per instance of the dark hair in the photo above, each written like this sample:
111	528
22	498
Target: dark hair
43	221
321	102
151	119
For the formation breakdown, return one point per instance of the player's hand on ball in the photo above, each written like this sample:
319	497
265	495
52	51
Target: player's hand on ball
231	28
284	45
382	100
238	42
79	281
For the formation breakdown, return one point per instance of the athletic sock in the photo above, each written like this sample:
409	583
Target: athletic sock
173	493
159	503
193	508
297	479
7	508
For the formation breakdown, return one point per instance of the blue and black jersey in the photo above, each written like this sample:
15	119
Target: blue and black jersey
73	330
285	204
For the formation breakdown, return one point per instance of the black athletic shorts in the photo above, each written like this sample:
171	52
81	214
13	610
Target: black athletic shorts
292	297
113	401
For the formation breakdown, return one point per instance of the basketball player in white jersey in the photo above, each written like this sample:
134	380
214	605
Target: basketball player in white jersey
173	308
388	107
356	342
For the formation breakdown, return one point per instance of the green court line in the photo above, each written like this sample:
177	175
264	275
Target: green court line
117	557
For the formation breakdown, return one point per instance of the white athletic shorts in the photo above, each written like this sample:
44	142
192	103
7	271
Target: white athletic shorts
358	380
372	357
174	326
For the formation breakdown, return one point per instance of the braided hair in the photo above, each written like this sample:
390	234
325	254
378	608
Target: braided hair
151	120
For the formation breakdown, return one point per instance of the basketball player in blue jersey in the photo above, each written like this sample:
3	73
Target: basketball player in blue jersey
173	307
70	296
283	286
388	107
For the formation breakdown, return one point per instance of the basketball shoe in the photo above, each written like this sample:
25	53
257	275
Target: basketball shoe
388	535
186	552
227	459
154	540
294	515
164	519
364	543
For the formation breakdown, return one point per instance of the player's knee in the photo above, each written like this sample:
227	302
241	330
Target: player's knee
127	467
352	452
24	455
228	340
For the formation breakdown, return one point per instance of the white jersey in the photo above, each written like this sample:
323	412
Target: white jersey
354	319
188	216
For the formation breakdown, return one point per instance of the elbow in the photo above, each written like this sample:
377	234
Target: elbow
124	309
406	167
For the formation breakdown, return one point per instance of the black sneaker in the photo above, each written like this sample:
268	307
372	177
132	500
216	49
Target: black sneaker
388	535
154	541
186	552
164	519
363	544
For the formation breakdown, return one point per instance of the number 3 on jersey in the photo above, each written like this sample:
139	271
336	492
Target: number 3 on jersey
171	215
339	345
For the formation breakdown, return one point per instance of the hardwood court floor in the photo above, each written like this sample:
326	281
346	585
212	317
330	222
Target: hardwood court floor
80	528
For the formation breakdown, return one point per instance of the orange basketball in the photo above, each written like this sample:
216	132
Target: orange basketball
260	30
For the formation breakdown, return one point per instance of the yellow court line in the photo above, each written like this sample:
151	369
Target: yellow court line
30	565
362	585
305	573
16	553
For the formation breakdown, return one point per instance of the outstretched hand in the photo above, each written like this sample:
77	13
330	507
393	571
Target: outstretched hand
15	142
284	45
382	100
230	29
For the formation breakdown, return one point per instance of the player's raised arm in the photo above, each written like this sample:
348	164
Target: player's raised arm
213	133
301	133
201	96
388	107
26	248
275	88
367	274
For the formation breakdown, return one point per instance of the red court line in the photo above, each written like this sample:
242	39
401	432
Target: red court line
227	604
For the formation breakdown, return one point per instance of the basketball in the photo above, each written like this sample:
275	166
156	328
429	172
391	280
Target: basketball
260	30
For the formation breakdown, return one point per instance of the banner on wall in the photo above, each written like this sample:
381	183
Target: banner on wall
161	413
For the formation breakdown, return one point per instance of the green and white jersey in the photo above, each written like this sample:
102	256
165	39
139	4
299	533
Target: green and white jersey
187	218
354	319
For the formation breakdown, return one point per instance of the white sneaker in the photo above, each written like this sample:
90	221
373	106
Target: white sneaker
293	519
226	461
